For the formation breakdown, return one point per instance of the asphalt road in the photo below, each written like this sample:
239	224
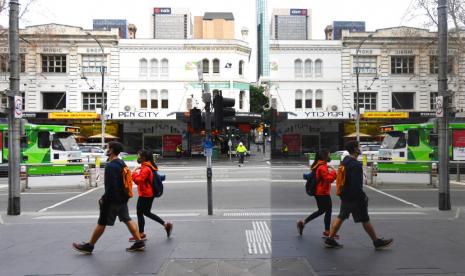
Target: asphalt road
252	230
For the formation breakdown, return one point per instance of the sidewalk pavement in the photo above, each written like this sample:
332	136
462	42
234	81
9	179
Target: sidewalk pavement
426	242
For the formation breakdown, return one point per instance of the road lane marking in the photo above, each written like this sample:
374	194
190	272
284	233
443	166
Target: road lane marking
96	216
270	214
1	220
457	214
69	199
394	197
258	239
457	183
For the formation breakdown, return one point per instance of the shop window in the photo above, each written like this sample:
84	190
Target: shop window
298	68
434	65
143	98
164	67
366	100
93	64
53	100
319	68
403	100
241	99
298	99
309	99
5	63
308	68
154	99
154	68
403	65
365	64
216	66
205	66
241	68
432	100
92	100
54	63
319	99
164	99
143	67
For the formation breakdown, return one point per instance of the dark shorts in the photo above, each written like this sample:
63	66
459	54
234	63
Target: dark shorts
358	209
109	212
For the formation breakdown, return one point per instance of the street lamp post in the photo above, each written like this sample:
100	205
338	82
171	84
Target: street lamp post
357	102
102	70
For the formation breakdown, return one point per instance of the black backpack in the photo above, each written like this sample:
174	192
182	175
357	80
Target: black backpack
157	184
310	185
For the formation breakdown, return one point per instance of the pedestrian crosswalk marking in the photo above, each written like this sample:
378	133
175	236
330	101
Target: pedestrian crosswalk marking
258	239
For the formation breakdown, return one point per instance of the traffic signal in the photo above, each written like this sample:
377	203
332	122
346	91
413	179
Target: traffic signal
223	108
196	119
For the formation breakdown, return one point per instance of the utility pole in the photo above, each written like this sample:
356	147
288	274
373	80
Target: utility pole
14	194
357	94
208	145
102	71
443	124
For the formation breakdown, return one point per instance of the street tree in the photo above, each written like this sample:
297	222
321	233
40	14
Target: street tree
258	99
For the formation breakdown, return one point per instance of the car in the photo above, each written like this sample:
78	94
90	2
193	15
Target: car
89	154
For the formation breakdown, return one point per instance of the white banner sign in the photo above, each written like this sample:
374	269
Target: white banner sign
320	115
439	106
141	115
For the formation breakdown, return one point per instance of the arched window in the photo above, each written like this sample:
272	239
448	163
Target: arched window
298	99
319	68
241	68
205	66
153	99
319	99
164	67
308	68
216	66
154	67
241	99
164	99
308	98
143	67
143	98
298	68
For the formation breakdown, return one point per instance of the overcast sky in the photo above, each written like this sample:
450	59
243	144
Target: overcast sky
376	13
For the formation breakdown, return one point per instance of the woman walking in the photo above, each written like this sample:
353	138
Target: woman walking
324	177
143	177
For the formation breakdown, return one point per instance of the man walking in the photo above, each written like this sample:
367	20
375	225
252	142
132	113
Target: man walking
354	200
114	203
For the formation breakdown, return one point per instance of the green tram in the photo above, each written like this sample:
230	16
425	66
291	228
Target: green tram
415	142
44	144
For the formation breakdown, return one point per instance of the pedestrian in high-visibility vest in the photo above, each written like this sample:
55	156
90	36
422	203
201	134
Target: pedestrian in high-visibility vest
285	150
241	151
179	151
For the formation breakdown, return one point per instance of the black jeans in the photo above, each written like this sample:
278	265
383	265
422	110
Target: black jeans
144	206
241	158
325	206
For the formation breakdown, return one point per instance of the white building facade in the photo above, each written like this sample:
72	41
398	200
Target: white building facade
61	74
305	84
159	83
398	72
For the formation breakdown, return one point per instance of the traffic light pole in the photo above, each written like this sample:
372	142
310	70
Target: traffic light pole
208	127
14	194
443	129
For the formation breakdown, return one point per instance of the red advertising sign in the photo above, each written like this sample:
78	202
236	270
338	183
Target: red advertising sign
292	141
458	140
170	142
